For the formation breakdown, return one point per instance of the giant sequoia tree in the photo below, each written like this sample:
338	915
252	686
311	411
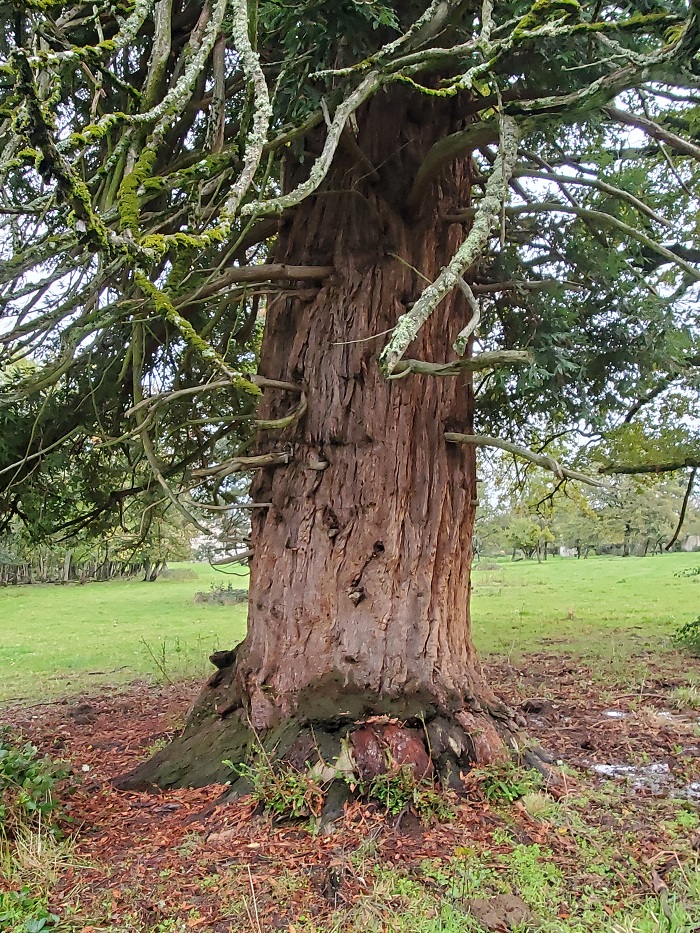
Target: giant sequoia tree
455	223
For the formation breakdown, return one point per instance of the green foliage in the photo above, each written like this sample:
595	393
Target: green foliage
637	515
281	789
25	911
398	789
506	782
28	786
688	636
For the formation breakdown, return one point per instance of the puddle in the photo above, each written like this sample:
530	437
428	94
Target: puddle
655	778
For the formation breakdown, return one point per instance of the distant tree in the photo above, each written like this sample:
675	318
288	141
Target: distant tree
459	180
525	533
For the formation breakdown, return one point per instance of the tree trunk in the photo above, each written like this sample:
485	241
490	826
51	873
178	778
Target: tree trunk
626	541
360	583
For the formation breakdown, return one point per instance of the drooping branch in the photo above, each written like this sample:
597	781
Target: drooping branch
257	137
462	340
524	453
489	210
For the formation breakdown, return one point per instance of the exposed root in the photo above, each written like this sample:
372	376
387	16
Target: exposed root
437	745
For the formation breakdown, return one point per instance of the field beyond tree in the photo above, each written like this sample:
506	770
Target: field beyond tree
56	640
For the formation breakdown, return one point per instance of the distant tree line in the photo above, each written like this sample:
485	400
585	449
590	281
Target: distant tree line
633	517
90	558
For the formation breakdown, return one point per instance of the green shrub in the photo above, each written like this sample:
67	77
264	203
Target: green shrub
688	636
398	789
28	784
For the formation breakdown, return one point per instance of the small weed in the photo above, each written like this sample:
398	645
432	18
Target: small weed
287	883
687	819
159	657
189	844
687	697
282	789
28	785
540	806
688	636
507	782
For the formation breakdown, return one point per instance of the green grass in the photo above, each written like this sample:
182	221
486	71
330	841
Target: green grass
63	639
602	607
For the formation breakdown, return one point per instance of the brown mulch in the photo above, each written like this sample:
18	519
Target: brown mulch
142	858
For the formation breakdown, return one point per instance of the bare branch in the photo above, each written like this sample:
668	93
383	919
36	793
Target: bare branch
239	464
235	559
268	272
668	466
603	186
490	288
655	130
524	453
473	364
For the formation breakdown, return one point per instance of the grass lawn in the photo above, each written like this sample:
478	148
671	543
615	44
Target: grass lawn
64	639
601	607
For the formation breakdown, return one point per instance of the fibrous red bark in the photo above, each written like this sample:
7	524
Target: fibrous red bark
360	583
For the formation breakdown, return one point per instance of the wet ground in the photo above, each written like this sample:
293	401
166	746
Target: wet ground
142	861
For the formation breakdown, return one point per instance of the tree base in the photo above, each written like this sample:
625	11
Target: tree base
360	736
